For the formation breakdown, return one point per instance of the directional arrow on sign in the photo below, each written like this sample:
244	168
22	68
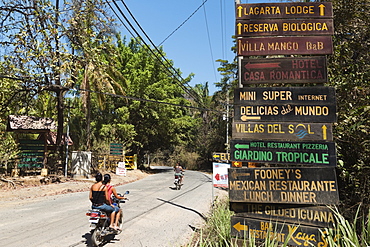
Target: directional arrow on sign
324	128
240	9
217	177
246	118
241	146
239	227
249	66
239	25
215	156
235	174
322	9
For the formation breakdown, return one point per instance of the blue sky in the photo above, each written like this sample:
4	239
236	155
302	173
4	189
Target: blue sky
195	46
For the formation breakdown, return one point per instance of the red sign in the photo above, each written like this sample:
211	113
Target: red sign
284	70
285	46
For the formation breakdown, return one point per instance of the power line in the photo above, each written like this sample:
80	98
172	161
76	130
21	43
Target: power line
182	23
190	93
209	41
145	100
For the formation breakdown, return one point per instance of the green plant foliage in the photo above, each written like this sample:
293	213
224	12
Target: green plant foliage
349	73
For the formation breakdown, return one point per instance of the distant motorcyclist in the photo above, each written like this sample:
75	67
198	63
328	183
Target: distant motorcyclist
179	171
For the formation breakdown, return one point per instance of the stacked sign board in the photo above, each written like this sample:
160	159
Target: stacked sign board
288	130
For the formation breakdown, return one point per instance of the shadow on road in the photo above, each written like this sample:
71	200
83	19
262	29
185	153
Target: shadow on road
111	238
158	169
183	207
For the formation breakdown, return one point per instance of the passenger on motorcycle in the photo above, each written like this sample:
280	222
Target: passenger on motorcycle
100	198
179	171
112	191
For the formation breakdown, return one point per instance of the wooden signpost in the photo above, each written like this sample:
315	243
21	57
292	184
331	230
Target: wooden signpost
296	235
278	27
284	70
297	185
284	95
263	46
295	104
321	216
221	157
290	127
282	131
284	152
284	10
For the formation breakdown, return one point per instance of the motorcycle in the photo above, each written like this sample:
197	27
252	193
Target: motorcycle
177	182
100	222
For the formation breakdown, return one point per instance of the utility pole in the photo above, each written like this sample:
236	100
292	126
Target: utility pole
227	120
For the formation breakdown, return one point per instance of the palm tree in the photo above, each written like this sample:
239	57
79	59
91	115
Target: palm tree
91	38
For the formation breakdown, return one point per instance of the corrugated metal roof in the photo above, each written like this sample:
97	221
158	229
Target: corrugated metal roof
30	123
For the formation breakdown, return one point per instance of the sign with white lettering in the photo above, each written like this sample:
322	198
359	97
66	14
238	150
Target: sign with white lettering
309	185
282	131
284	233
284	10
282	104
284	70
297	214
263	46
280	27
284	152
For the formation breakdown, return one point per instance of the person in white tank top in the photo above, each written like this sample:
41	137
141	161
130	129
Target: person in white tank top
179	171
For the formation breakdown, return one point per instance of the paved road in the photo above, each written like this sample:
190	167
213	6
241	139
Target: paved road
156	215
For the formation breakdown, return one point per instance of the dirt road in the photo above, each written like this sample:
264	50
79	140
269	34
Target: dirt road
32	188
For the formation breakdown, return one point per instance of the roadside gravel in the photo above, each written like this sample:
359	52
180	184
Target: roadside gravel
32	188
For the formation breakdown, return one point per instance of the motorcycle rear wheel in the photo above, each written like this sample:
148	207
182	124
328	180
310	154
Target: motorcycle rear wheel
96	237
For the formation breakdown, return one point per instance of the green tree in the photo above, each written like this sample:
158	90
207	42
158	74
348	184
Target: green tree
91	37
157	126
32	52
349	72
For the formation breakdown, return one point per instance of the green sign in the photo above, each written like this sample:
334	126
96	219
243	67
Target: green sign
32	154
284	152
116	149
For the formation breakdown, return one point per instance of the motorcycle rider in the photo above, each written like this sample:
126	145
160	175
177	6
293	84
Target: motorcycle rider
112	190
179	171
100	198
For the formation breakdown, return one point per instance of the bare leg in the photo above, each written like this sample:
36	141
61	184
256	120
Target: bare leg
112	215
117	218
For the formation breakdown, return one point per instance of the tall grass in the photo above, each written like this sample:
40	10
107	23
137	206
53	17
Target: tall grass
216	232
346	233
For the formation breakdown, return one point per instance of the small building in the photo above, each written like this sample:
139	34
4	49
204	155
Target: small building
34	152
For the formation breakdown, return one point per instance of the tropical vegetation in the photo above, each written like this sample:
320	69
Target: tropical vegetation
71	65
